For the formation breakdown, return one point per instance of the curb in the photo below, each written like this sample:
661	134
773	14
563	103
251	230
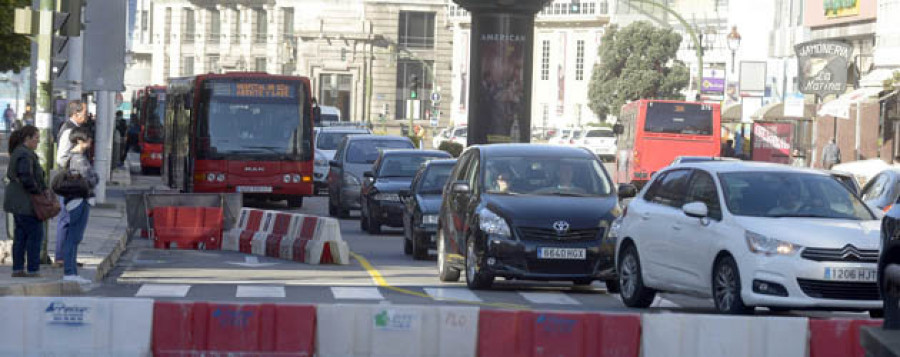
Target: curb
55	288
108	263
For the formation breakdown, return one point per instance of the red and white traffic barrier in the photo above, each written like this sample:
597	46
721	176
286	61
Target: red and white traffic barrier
290	236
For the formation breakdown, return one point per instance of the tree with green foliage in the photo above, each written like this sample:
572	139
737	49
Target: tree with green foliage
15	49
635	62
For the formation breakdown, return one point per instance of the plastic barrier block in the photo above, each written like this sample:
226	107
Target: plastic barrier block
837	337
245	240
201	328
187	226
273	245
327	252
258	243
69	326
299	250
398	331
527	333
328	229
667	334
250	220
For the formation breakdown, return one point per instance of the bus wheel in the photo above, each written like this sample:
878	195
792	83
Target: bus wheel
295	202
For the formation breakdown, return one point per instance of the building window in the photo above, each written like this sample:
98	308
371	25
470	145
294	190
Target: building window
236	27
336	90
260	64
187	66
579	60
215	26
406	69
189	32
144	20
167	30
262	26
545	60
604	8
416	29
287	15
212	64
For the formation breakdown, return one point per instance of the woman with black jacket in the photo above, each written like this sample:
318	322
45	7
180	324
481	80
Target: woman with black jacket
25	178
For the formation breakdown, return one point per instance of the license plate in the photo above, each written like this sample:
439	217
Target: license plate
562	253
254	189
851	274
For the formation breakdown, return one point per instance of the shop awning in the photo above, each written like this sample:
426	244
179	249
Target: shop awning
775	111
731	112
840	107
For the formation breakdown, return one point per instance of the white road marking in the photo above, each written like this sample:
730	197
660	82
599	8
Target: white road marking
550	298
462	294
356	293
163	290
250	291
252	262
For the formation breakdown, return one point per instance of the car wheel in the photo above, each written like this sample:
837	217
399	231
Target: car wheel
445	271
419	251
726	286
363	221
373	225
632	289
612	286
876	314
475	278
295	202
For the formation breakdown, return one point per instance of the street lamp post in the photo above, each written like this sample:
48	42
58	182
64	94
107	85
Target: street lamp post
734	42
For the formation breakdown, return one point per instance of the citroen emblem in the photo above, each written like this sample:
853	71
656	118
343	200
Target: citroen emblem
850	253
561	227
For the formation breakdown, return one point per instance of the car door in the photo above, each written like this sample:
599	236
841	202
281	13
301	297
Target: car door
468	202
662	210
451	220
410	203
335	174
693	246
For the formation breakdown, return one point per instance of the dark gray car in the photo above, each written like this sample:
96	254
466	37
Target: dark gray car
354	156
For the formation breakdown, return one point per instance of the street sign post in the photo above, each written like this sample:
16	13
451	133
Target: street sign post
435	97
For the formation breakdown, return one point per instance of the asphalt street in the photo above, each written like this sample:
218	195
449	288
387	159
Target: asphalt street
233	277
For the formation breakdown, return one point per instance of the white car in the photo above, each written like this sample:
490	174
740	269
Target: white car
439	137
601	142
749	235
561	137
327	140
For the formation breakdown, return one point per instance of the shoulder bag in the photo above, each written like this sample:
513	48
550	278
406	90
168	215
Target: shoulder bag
69	183
44	204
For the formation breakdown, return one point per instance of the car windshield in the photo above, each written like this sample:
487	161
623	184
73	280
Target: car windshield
790	194
546	176
402	165
435	178
366	151
327	140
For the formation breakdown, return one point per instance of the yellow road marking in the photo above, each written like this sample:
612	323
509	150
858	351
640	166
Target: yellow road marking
379	280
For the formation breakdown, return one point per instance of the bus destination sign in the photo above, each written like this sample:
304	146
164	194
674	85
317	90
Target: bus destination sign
253	90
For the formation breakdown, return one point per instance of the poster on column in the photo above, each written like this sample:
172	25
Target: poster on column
500	113
772	142
561	78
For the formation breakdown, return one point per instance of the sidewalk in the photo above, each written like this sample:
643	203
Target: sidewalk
104	242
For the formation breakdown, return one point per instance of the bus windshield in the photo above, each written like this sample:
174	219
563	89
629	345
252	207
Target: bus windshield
156	112
252	119
679	118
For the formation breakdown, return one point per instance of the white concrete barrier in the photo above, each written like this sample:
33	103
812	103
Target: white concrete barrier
667	334
338	249
231	238
75	326
396	331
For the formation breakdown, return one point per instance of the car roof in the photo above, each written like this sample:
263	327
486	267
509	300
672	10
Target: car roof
440	162
412	152
338	129
745	166
376	137
533	150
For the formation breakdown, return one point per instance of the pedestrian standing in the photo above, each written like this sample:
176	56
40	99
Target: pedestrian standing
316	112
727	149
831	155
77	113
9	116
78	206
121	130
26	178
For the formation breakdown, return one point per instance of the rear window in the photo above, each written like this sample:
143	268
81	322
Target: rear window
330	140
366	151
601	134
679	118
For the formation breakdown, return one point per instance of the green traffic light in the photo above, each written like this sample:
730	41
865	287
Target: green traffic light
413	95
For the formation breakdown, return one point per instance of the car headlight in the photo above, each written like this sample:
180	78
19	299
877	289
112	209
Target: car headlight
491	223
210	177
220	177
430	219
387	197
761	244
350	180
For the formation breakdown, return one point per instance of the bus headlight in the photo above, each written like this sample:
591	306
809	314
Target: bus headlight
220	177
296	178
210	177
287	178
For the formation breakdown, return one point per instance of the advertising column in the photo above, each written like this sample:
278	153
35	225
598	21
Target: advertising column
500	65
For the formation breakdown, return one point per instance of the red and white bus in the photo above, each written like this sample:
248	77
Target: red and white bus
150	140
240	132
652	133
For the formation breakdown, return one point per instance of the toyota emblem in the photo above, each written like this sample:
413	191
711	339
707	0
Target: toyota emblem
561	227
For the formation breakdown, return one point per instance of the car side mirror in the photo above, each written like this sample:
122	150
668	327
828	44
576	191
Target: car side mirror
627	190
696	210
334	163
460	187
618	129
368	174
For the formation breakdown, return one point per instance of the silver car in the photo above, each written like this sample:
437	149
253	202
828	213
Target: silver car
354	156
327	140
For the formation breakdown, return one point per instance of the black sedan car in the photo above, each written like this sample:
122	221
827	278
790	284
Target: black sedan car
531	212
890	256
391	173
882	190
423	202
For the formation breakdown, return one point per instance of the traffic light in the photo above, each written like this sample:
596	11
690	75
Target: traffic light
72	25
414	87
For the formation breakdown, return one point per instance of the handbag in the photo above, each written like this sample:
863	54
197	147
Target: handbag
68	183
45	205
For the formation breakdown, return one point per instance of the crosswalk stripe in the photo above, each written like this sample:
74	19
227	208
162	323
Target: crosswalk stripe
356	293
550	298
251	291
163	290
460	294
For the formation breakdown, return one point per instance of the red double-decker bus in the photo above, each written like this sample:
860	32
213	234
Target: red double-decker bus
652	133
240	132
150	140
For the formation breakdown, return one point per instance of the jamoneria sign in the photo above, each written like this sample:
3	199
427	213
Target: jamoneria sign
823	66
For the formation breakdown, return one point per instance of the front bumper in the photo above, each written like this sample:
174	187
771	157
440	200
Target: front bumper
426	235
791	271
389	213
519	260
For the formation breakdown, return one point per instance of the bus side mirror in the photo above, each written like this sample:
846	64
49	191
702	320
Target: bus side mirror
618	129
